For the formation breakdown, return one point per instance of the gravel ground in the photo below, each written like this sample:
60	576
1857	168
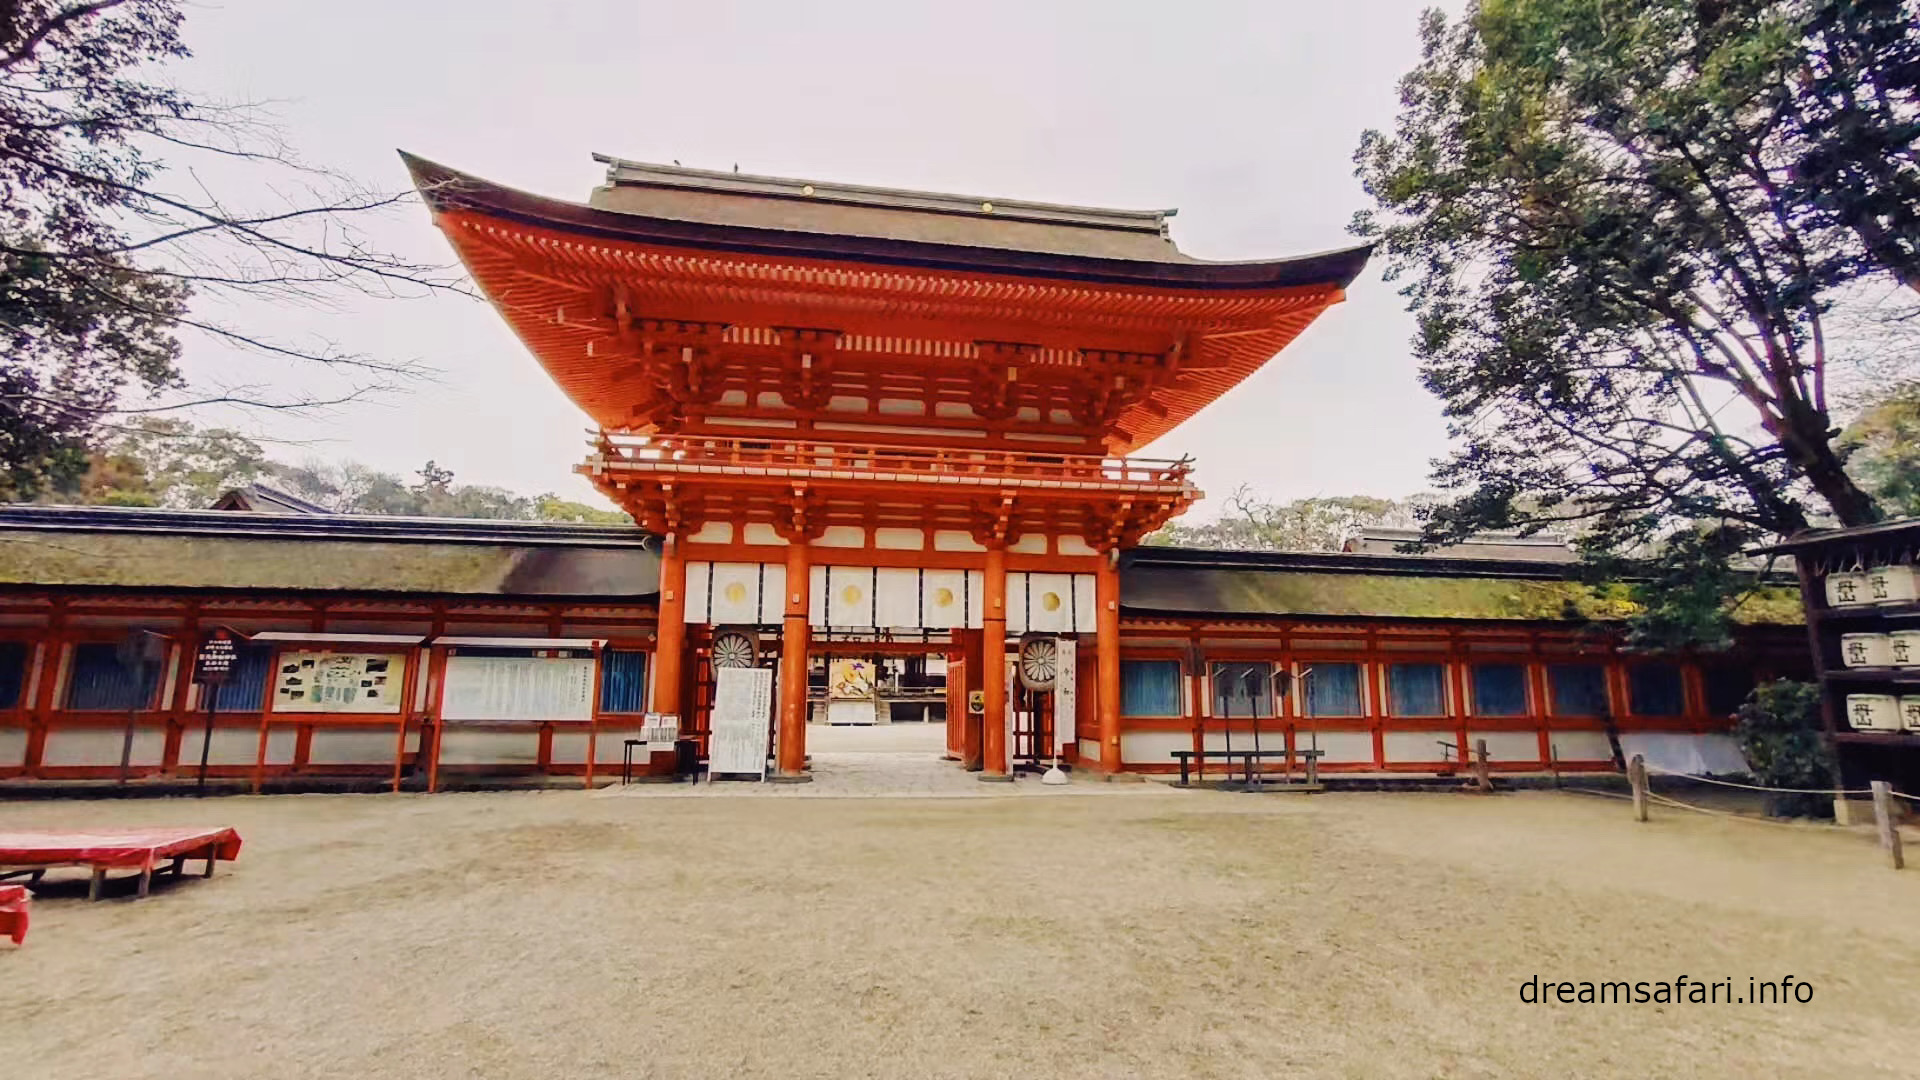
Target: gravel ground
554	934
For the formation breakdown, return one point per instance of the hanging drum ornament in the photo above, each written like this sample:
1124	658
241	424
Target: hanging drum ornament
734	647
1039	661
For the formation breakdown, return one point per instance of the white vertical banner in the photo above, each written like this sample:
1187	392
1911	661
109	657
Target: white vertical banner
1066	695
1013	701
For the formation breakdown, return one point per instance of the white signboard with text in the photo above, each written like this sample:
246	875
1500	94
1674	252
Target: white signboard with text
742	715
518	688
339	682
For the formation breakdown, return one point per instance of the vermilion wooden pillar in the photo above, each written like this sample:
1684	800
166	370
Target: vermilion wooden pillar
993	671
790	755
670	637
1106	595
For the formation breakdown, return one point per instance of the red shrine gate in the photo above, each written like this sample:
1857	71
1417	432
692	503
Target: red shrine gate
859	410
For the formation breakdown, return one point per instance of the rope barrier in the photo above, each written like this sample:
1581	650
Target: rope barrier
1665	801
1596	791
1755	787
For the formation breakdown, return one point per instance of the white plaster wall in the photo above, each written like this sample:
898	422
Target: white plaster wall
1152	747
757	533
352	747
482	747
1339	746
1581	746
1074	545
570	748
954	540
101	746
894	539
1419	746
842	536
1033	544
237	746
714	532
13	746
1507	746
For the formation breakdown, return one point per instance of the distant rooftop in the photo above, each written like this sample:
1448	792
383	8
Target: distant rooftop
1512	547
266	500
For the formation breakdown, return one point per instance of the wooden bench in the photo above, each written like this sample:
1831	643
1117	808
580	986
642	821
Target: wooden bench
1186	757
31	854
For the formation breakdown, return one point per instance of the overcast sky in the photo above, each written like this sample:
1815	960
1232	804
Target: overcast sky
1242	115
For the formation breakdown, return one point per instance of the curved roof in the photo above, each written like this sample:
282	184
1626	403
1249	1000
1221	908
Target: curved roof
916	287
721	212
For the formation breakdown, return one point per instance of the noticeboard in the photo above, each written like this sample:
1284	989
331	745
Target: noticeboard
339	682
518	688
742	714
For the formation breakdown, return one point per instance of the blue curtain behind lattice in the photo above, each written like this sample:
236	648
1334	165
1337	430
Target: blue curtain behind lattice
623	681
1333	690
1499	690
1417	689
98	681
246	687
1654	690
13	671
1150	688
1242	690
1578	689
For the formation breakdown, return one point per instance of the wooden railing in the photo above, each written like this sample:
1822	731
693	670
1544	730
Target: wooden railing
793	457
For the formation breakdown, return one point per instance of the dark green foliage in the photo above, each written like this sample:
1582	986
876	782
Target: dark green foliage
1883	448
1779	730
1622	225
79	320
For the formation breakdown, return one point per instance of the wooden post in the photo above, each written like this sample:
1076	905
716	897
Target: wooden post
670	629
1637	776
993	673
1482	779
790	752
1106	644
1883	817
593	717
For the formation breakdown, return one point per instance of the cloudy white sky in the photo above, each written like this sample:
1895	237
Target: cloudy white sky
1244	115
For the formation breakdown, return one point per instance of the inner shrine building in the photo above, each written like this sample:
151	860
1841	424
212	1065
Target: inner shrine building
858	417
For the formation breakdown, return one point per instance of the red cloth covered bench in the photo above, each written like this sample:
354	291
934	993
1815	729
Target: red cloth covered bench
34	851
13	912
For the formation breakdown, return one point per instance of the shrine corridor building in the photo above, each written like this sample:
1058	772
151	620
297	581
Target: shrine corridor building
848	422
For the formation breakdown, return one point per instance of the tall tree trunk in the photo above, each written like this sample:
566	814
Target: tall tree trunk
1805	439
